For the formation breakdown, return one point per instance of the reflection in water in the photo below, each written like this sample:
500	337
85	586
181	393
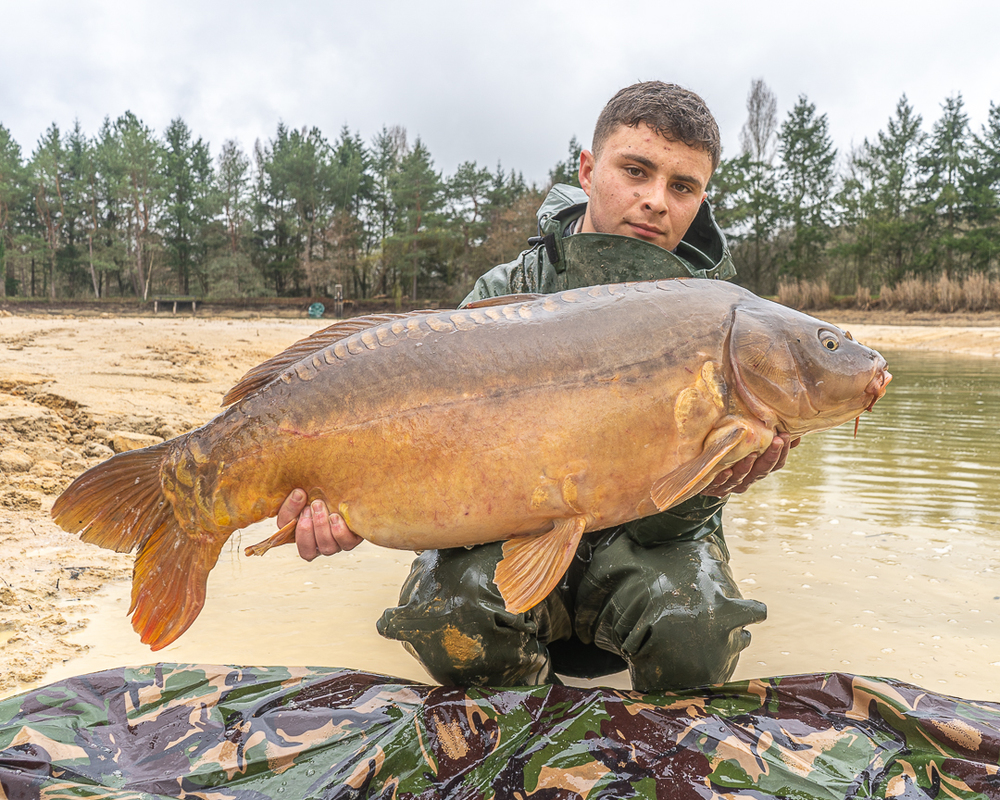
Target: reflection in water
927	454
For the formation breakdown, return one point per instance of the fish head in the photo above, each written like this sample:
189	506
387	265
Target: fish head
799	374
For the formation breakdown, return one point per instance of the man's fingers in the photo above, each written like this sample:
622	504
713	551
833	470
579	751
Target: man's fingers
323	533
292	507
305	538
719	485
326	541
742	475
768	459
346	538
782	455
743	468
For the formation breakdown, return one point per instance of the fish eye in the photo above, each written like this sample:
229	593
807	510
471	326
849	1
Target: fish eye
829	340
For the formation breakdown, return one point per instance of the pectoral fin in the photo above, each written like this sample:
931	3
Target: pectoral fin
690	478
533	565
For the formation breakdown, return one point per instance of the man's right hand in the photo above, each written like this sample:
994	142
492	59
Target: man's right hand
318	532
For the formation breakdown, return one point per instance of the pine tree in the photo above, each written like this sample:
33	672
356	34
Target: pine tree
189	208
468	192
48	166
300	178
135	160
353	186
982	201
879	197
807	181
81	218
942	185
389	147
230	267
13	194
418	194
745	193
568	171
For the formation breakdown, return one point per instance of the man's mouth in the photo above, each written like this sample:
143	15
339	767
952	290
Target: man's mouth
645	230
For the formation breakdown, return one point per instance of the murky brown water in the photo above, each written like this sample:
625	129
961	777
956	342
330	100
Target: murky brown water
875	555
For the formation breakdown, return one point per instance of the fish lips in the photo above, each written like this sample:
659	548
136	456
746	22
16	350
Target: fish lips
876	387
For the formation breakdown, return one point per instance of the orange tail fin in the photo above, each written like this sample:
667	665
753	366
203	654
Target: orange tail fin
168	582
120	505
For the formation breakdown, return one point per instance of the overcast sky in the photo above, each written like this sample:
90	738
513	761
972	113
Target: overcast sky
480	81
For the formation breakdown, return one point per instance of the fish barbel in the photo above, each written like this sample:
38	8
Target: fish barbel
525	419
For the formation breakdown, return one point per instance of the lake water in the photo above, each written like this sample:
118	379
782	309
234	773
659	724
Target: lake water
875	555
926	457
888	541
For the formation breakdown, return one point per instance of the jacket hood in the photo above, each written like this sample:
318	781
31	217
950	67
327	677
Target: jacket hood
703	251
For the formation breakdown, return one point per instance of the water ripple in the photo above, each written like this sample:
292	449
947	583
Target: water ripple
929	451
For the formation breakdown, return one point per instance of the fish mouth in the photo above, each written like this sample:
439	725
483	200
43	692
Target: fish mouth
876	386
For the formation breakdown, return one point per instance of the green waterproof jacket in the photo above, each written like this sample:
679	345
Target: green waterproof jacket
560	259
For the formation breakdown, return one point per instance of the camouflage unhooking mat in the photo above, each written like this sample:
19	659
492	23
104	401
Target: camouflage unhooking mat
173	730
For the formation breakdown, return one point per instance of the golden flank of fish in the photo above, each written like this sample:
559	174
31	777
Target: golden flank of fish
525	419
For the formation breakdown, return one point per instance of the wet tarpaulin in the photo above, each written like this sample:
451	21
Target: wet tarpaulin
172	730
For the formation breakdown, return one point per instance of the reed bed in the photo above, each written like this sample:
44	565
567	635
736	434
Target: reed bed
975	292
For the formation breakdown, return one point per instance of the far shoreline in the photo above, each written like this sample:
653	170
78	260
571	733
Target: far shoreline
958	332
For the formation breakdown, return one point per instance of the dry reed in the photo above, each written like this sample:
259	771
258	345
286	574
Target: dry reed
975	292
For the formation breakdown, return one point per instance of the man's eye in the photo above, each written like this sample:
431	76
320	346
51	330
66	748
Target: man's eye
680	187
634	172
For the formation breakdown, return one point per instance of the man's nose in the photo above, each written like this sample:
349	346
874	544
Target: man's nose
655	200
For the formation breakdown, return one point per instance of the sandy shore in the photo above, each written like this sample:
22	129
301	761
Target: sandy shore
75	389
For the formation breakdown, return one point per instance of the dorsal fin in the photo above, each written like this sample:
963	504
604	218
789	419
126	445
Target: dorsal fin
504	300
264	373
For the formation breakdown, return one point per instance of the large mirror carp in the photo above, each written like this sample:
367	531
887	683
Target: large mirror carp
525	419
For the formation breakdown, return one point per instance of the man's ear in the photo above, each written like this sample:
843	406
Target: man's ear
586	173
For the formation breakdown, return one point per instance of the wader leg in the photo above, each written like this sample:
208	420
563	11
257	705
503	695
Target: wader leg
451	618
673	611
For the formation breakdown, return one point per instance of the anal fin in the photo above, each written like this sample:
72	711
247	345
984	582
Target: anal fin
533	565
284	535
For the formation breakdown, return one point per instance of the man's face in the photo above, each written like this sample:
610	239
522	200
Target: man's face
644	186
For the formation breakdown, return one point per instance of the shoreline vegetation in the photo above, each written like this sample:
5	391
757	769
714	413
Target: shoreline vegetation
973	301
972	293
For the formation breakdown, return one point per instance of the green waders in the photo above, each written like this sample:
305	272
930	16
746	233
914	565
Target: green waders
655	596
670	613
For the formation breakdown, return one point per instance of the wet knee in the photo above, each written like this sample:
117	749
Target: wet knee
679	647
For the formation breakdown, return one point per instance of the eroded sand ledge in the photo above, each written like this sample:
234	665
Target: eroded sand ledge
70	385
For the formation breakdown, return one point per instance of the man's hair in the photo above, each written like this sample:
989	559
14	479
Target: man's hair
672	111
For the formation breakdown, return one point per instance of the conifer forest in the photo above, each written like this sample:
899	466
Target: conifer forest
129	212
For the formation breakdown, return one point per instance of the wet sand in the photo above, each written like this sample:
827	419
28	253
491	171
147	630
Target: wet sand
74	389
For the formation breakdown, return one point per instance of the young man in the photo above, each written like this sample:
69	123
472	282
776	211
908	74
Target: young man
656	595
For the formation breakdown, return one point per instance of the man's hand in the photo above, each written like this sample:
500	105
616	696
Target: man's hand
318	532
743	474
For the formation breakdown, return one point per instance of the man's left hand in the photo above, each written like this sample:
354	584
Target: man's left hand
743	474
